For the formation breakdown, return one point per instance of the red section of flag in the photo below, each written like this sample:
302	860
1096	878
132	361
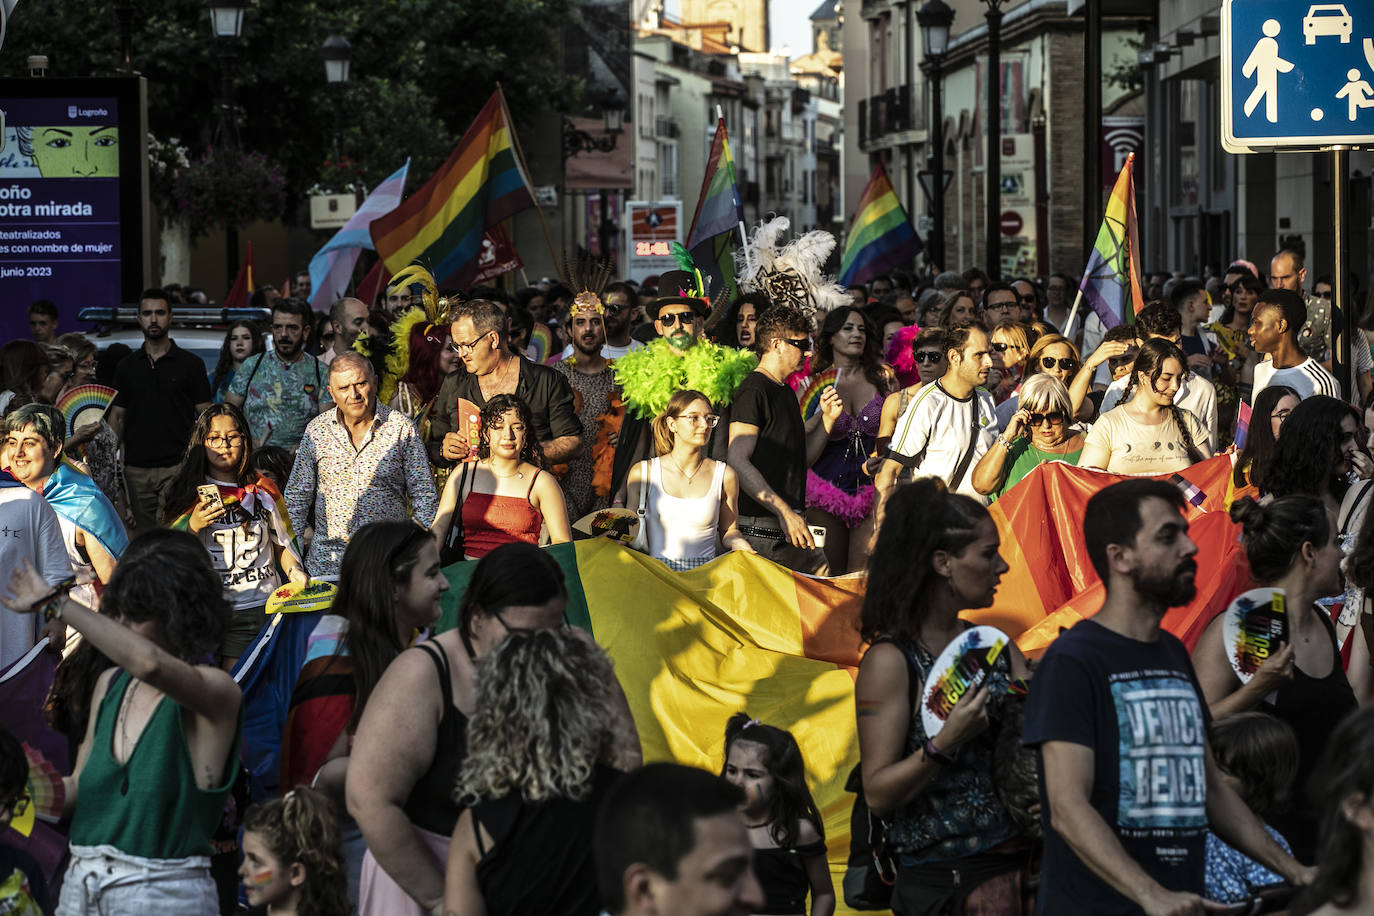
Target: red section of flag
374	282
239	293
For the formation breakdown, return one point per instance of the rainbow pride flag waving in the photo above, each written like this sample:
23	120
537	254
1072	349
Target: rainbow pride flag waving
1111	284
719	213
440	226
881	237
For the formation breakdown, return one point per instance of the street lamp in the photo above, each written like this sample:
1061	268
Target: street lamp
993	167
226	21
577	141
935	17
336	51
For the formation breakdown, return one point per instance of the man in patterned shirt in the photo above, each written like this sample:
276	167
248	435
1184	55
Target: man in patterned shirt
592	378
283	388
359	463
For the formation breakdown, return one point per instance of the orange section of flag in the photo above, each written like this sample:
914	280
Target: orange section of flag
239	293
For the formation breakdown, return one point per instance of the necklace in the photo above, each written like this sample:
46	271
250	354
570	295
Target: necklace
685	475
518	475
124	718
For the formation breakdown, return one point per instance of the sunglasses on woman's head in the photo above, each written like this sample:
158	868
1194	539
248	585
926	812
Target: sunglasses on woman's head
926	356
1067	363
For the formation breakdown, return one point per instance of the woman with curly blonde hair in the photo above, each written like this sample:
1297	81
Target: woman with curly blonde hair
539	762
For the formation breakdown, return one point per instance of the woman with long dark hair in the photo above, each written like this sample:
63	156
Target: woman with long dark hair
1344	781
936	556
431	360
1315	454
504	496
735	325
413	735
1273	406
156	765
1290	545
390	584
242	340
243	524
838	495
1147	433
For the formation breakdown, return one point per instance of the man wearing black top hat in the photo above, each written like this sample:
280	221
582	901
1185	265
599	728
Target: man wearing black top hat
678	359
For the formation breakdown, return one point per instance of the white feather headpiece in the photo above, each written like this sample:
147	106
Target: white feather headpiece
790	273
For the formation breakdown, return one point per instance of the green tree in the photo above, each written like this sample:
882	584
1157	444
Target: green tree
421	70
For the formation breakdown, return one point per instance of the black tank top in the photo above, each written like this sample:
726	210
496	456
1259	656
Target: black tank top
430	805
782	875
1312	706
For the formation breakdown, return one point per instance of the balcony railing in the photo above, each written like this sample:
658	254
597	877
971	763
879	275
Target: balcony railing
666	128
890	112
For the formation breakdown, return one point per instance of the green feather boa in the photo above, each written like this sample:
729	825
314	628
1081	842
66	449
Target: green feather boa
649	376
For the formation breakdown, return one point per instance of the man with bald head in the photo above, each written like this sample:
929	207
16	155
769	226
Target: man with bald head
1286	271
349	318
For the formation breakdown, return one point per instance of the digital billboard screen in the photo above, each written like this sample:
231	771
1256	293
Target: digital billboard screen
71	196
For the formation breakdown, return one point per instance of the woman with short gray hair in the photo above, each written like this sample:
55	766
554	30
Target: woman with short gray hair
1046	412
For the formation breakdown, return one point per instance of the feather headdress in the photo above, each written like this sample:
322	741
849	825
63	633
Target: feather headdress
592	277
790	273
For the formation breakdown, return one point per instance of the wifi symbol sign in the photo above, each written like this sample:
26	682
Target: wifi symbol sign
1123	141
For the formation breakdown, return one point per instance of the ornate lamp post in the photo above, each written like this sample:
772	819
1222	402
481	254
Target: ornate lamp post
336	52
935	17
226	20
993	166
580	141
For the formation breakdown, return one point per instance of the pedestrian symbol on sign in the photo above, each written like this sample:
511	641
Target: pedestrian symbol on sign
1265	65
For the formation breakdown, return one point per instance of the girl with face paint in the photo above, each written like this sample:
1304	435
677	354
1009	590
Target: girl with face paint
293	863
784	824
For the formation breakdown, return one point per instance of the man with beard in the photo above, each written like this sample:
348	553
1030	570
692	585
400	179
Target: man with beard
283	388
589	373
1128	785
621	315
677	359
162	389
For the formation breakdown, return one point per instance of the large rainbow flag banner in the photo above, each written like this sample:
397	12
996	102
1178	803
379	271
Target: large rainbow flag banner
881	237
1111	282
741	633
719	213
440	226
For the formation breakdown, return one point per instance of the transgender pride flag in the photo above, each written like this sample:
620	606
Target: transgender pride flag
331	269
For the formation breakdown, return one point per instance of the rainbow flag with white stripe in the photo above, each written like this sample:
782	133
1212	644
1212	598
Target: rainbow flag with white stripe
440	226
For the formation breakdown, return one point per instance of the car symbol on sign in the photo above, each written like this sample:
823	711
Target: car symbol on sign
1327	19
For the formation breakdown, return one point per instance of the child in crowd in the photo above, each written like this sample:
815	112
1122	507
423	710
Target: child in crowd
274	463
784	823
293	863
1258	756
23	892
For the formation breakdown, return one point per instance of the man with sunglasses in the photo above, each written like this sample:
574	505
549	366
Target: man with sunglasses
480	341
677	359
771	445
1027	300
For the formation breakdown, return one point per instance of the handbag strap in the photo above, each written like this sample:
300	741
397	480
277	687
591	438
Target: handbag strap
972	444
456	533
644	489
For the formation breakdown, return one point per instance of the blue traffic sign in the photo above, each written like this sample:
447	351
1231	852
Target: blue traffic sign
1296	75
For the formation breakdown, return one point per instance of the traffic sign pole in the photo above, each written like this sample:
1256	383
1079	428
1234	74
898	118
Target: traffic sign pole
1340	349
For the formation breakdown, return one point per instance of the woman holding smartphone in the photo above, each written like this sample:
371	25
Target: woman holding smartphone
238	516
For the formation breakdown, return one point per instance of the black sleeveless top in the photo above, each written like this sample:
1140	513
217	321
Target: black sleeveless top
1312	706
782	875
430	805
542	861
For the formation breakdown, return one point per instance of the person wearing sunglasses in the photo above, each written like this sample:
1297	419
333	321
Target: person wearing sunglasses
1041	429
411	738
1027	300
929	363
245	531
678	358
1011	341
1054	355
772	445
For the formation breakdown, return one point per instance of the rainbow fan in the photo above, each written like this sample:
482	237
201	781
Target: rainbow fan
811	395
84	405
541	344
45	790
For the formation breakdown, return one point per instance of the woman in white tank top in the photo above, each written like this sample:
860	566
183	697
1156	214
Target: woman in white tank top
689	500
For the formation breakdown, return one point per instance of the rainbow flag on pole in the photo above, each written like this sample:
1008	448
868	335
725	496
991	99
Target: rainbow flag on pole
1111	284
719	213
440	226
881	237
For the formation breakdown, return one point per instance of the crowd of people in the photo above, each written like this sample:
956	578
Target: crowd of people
495	767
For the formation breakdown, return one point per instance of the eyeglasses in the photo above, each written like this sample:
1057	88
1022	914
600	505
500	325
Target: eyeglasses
415	533
926	356
87	366
1067	363
1003	346
1281	415
803	344
696	419
1029	299
528	631
460	348
233	440
615	308
671	319
1324	294
1053	418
